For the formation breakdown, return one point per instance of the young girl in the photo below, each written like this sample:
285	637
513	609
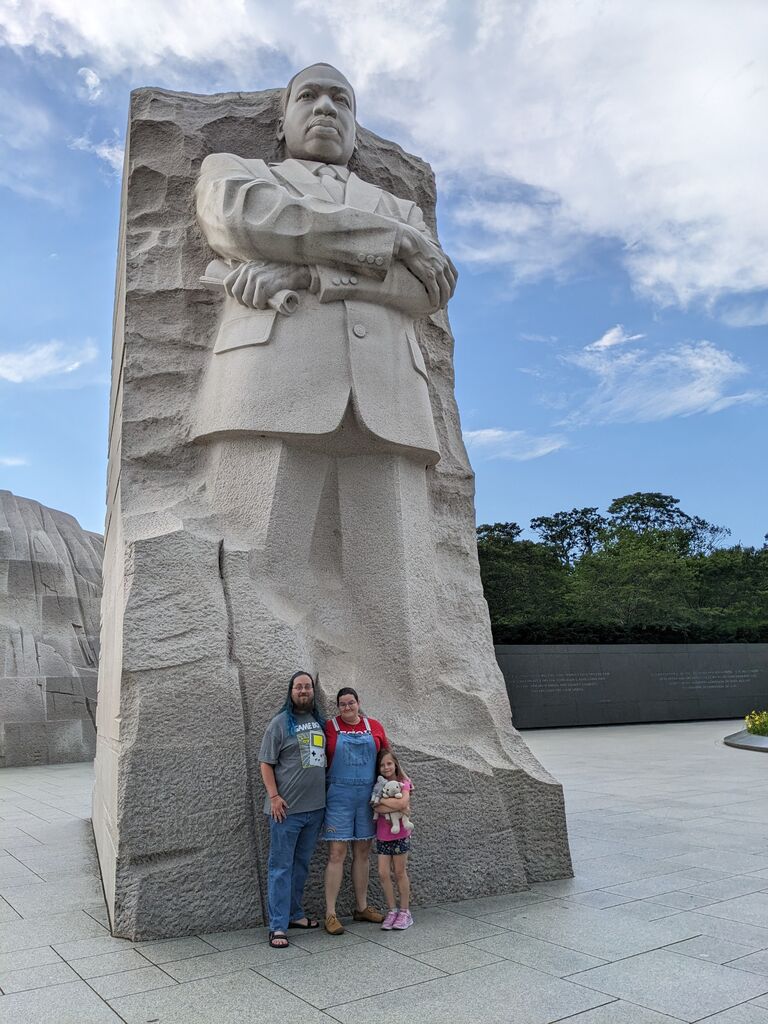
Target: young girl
393	849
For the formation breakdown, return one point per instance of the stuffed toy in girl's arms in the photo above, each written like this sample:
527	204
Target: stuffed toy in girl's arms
392	789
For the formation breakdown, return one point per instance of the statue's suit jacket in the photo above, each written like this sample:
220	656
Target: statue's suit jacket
352	338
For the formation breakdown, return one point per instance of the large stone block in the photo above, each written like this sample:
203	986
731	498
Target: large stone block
50	596
203	625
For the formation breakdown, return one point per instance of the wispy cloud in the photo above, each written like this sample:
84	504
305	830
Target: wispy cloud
91	83
615	336
518	445
642	386
47	360
112	152
12	460
747	314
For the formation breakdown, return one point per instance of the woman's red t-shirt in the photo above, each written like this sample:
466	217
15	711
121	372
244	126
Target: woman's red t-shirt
377	731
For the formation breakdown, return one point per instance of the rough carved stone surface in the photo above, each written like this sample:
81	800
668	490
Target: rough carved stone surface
197	650
50	594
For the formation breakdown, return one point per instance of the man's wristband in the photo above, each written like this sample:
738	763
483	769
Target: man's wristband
274	796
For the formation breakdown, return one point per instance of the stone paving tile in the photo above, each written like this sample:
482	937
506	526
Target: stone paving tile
598	898
677	985
80	948
619	1012
682	900
126	983
320	979
108	963
747	1013
654	885
13	872
721	927
496	994
236	938
755	962
492	904
711	948
607	934
231	999
729	888
36	977
727	860
48	931
73	1003
33	901
165	951
24	958
752	909
433	929
543	956
455	959
230	961
319	940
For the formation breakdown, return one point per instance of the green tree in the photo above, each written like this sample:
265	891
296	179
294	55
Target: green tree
571	534
634	580
646	511
523	581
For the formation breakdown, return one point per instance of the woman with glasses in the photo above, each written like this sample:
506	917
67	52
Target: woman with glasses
352	743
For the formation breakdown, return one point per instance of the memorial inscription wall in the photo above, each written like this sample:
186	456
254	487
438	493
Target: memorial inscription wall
561	685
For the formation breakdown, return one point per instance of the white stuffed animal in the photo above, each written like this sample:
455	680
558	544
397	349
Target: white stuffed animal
392	789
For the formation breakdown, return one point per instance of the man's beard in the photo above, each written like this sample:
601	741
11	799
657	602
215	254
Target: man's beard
304	703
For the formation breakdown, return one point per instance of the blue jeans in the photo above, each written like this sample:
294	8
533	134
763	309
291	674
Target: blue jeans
291	844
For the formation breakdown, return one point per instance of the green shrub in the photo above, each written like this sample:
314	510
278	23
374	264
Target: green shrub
757	723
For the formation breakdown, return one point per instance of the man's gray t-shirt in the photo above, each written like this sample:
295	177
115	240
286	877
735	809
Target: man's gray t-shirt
299	762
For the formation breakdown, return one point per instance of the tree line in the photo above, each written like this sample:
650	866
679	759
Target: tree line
644	571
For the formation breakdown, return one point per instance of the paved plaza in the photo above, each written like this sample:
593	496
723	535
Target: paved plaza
666	919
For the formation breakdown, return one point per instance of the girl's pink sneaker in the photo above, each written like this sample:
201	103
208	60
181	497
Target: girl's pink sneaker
389	921
403	920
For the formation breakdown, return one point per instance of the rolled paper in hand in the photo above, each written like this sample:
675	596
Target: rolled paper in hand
285	302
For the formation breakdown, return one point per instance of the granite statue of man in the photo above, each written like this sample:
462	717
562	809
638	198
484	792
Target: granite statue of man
318	418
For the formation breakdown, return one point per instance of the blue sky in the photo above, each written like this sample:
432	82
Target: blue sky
601	173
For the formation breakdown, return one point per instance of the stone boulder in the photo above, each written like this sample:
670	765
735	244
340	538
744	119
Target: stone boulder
50	597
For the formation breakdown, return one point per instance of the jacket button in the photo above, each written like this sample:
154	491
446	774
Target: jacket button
353	280
361	257
337	280
359	331
345	280
371	259
379	261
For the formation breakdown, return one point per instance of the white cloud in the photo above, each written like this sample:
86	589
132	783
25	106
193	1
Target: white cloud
518	445
640	386
614	336
747	314
111	152
91	83
641	125
12	460
47	360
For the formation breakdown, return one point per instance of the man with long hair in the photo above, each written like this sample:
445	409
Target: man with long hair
292	760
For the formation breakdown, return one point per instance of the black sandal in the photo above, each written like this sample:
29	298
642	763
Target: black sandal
278	940
311	923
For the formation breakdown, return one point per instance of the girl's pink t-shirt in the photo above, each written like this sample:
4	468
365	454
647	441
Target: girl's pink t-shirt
384	829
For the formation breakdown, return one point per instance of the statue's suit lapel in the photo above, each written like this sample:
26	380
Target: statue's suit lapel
300	179
361	194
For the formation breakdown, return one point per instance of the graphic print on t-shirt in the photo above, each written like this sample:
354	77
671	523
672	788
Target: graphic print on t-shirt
311	740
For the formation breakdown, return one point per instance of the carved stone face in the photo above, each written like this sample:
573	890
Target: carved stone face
319	119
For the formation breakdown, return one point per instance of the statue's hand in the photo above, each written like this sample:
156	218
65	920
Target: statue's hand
254	284
428	263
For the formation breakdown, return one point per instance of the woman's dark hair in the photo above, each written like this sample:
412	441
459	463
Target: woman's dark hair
386	752
288	705
344	690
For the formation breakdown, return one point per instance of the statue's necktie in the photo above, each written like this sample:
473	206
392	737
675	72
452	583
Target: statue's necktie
331	183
